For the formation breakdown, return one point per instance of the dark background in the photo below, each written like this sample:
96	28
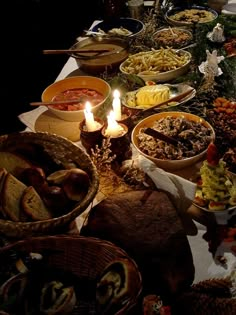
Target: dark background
30	26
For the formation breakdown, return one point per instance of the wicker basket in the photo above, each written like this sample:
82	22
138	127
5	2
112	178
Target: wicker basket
63	152
85	258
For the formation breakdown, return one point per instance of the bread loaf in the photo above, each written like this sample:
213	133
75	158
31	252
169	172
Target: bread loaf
13	162
146	225
33	205
115	285
11	194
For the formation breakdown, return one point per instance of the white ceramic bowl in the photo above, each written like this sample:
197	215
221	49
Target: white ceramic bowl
134	26
76	82
135	64
170	165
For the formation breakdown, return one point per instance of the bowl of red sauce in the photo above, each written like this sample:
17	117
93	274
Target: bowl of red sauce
70	95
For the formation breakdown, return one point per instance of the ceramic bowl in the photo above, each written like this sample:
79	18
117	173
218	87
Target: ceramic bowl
76	82
189	18
134	26
95	63
171	164
175	37
135	64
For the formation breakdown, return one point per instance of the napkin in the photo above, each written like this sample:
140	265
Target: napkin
29	118
182	190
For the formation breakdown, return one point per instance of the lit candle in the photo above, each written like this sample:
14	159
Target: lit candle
113	128
116	104
89	119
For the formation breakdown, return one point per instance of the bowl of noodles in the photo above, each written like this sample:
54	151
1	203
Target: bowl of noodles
161	65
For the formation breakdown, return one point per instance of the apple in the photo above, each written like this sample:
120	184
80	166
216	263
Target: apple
76	184
34	176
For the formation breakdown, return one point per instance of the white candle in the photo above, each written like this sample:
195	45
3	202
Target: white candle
113	128
116	104
89	119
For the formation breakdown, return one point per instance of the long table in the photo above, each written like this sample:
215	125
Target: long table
205	266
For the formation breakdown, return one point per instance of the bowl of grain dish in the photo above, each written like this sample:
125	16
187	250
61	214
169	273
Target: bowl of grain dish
192	135
174	37
189	16
161	65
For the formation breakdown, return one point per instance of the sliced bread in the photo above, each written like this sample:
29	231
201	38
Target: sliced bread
3	173
11	193
13	163
33	205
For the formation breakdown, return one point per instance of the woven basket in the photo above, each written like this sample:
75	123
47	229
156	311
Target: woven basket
63	152
85	258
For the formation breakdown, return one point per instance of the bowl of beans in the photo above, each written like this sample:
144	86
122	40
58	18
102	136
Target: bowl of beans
181	139
69	96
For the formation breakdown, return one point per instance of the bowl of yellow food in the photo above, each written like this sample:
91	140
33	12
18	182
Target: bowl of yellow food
70	95
158	95
181	139
161	65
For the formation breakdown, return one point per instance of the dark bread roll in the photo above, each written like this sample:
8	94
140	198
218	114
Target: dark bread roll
146	225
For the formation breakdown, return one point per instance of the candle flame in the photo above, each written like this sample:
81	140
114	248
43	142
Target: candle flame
87	106
116	93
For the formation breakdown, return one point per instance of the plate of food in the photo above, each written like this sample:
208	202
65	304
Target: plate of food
216	186
151	95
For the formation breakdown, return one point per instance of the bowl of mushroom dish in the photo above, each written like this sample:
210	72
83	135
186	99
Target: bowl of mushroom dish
173	140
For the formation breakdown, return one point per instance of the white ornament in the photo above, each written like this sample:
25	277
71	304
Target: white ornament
217	35
210	66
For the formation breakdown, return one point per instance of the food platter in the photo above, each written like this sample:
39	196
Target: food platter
175	90
226	211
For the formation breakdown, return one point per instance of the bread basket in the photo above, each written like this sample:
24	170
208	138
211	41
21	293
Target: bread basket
63	152
85	258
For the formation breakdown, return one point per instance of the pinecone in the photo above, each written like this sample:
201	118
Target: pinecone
195	303
214	287
209	297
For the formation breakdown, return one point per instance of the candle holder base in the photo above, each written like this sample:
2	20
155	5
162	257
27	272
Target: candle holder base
120	145
89	139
